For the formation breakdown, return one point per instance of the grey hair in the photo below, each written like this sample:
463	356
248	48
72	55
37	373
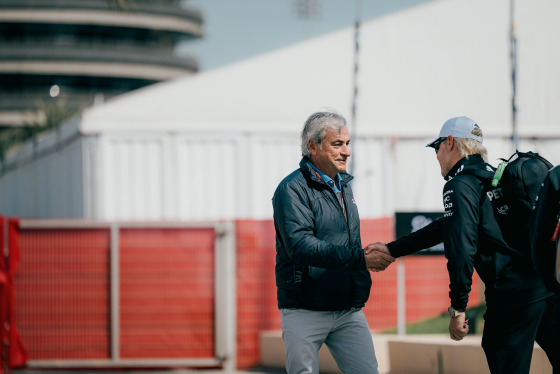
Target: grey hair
316	126
472	147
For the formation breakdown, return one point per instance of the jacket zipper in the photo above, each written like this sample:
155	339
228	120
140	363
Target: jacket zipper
340	206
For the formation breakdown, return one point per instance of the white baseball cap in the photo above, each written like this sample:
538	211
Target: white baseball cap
458	127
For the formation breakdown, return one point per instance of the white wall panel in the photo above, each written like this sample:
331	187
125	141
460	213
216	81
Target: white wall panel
132	177
44	182
416	181
91	177
371	166
225	176
272	158
207	176
548	148
207	171
59	187
275	156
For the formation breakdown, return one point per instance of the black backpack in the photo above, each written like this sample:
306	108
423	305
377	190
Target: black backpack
545	227
515	187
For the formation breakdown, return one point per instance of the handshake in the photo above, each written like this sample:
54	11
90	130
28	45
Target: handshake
378	257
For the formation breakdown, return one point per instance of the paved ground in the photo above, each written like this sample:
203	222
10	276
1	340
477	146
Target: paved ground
155	371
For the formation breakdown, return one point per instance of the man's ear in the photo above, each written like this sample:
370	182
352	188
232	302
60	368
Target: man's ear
312	146
451	141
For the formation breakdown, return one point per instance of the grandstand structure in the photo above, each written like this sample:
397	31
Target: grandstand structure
79	52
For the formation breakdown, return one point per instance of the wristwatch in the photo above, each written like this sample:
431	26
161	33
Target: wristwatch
454	312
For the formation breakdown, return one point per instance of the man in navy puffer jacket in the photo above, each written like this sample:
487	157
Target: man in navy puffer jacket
321	270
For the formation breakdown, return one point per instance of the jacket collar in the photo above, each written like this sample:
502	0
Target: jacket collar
310	173
473	161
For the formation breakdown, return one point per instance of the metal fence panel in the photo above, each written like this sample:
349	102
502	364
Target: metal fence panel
62	293
167	293
180	294
129	295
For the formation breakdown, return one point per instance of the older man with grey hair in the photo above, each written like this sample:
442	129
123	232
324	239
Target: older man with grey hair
321	269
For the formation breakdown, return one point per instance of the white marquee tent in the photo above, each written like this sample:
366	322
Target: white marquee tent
215	145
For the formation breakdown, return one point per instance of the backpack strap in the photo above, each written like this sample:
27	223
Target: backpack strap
534	155
487	177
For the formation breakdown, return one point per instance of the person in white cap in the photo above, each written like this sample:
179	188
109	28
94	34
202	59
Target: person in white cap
518	304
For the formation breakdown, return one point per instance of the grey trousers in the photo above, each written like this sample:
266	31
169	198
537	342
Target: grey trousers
345	333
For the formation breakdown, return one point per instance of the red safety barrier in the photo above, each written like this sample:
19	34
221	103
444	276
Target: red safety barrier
426	285
256	288
63	293
14	353
167	293
5	333
166	289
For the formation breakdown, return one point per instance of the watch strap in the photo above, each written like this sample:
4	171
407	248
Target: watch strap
454	312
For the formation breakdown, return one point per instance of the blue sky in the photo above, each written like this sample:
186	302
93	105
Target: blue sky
237	29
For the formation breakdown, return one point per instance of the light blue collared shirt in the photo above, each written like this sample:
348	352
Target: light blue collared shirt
335	186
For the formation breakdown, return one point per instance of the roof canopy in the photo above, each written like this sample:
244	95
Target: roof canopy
417	68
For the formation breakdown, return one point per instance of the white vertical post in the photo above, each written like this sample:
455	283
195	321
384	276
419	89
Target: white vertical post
226	310
115	294
401	298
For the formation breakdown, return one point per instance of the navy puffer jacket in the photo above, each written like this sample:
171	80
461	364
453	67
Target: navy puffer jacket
320	262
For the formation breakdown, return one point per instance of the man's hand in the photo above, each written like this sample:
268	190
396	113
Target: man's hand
458	327
377	257
377	246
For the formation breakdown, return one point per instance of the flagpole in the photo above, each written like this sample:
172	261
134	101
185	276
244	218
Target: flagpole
353	117
513	60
